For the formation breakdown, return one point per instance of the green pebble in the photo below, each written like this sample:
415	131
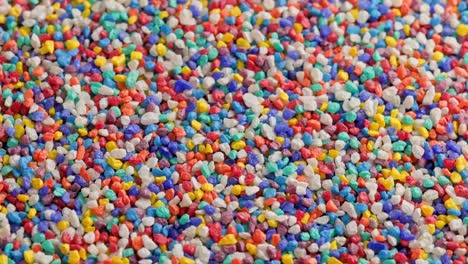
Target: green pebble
299	109
407	120
228	259
399	146
205	170
59	192
179	33
389	261
95	86
354	143
428	124
290	169
278	47
343	136
442	180
56	261
131	79
128	252
333	107
173	3
203	60
12	142
376	56
117	111
184	219
48	247
428	183
38	238
365	175
365	236
416	192
201	41
363	261
259	261
232	154
350	117
351	87
110	194
314	233
305	236
238	136
316	87
259	76
6	170
367	74
272	167
163	212
163	118
212	54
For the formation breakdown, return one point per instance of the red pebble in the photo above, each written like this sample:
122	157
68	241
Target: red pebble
400	258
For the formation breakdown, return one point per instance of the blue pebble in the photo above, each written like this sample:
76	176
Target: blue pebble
376	246
182	85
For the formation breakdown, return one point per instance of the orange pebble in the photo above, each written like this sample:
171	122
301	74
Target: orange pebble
259	236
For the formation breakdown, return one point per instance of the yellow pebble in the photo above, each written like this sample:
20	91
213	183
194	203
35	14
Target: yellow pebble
114	163
455	177
62	225
136	55
202	106
28	256
228	37
48	47
238	78
132	20
235	11
333	153
185	260
37	183
272	223
431	228
427	210
32	213
394	122
390	41
236	189
460	163
228	240
116	260
207	187
238	145
87	221
22	197
111	145
353	52
161	49
287	259
298	27
72	44
64	248
100	61
208	149
196	125
334	260
19	131
393	61
450	204
423	132
440	224
242	42
437	56
251	248
406	29
462	30
343	76
186	70
74	257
